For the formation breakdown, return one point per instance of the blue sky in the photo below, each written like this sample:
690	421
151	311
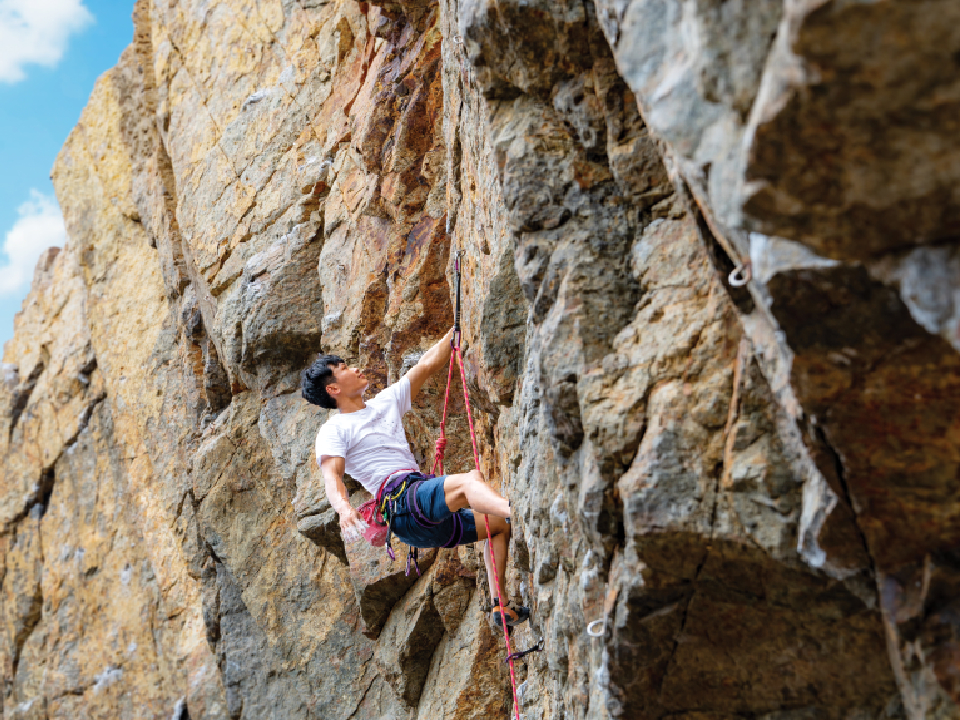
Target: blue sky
51	53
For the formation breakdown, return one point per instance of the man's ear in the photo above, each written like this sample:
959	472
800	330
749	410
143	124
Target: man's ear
333	389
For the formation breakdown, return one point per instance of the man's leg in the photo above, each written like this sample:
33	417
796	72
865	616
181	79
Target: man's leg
500	538
469	490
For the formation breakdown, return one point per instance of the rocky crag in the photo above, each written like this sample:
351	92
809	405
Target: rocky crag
748	491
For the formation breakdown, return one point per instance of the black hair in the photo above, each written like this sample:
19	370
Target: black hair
315	379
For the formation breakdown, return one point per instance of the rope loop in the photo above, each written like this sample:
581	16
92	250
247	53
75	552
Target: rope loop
441	446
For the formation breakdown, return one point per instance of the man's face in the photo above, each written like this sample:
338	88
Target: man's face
349	380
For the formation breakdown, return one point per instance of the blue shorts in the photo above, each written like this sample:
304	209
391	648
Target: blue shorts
444	528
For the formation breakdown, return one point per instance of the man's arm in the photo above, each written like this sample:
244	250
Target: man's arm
351	524
433	360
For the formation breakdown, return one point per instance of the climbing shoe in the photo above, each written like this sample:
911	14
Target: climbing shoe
522	615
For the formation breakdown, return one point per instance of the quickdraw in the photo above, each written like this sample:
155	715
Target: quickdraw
523	653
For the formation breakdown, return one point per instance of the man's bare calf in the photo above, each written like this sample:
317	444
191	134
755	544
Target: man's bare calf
470	490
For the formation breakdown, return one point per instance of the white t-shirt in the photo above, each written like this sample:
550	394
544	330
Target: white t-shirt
371	441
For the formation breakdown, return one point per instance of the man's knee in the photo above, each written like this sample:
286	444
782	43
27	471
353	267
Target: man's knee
473	483
499	526
455	491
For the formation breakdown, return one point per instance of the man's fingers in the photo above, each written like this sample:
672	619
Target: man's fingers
354	530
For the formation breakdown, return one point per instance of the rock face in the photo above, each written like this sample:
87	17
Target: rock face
731	500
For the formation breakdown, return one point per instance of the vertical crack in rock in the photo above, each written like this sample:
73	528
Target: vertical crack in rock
180	710
39	498
363	697
179	269
44	491
678	638
722	261
21	397
27	619
841	476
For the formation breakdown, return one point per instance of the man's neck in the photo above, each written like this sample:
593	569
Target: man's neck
350	404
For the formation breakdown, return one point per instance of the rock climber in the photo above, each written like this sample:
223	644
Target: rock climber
366	440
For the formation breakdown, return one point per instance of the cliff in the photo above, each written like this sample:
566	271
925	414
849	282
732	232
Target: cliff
711	321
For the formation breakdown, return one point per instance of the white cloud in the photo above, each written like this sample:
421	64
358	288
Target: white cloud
39	227
37	31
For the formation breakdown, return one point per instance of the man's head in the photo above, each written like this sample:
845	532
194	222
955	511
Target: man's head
329	378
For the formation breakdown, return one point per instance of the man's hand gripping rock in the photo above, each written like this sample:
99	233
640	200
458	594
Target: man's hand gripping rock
352	526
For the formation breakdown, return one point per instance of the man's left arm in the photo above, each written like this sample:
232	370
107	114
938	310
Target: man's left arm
433	360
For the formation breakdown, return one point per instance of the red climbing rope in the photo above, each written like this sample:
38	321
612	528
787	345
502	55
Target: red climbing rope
438	462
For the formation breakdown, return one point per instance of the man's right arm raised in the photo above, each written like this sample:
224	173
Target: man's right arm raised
351	524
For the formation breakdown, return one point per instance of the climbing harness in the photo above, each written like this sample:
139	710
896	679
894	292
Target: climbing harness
397	497
394	495
380	510
438	464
